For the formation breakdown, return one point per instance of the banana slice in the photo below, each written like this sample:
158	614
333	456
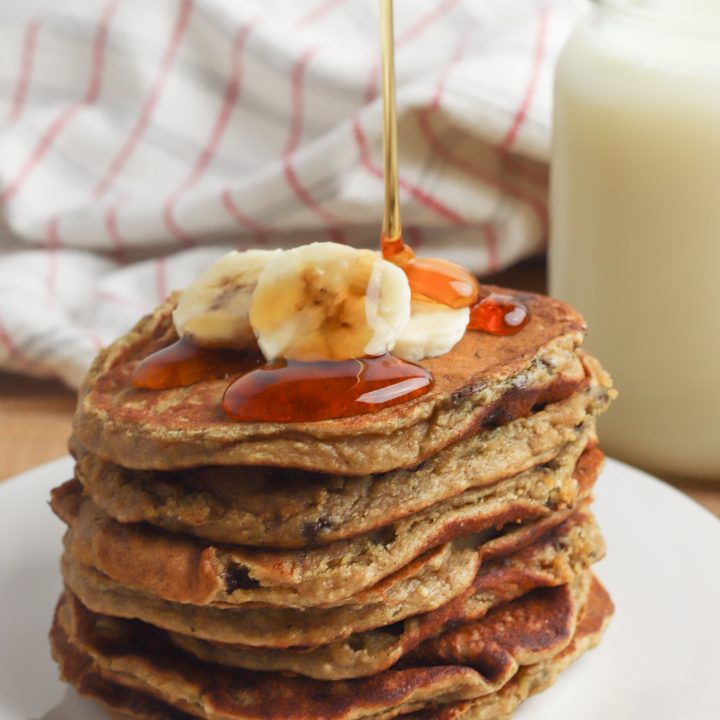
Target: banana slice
433	329
213	310
327	301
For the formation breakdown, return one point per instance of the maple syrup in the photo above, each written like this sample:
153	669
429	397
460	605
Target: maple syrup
499	315
395	250
294	391
183	363
442	281
432	279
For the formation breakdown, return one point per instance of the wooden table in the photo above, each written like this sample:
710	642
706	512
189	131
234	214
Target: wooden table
35	415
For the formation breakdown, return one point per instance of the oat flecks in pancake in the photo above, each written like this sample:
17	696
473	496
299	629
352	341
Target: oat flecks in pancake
184	569
183	427
278	627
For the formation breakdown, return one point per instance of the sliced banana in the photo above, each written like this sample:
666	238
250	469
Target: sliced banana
433	329
329	301
213	311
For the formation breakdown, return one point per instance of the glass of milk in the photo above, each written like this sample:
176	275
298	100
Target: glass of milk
635	201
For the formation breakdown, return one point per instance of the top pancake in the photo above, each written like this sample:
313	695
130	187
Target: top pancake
484	380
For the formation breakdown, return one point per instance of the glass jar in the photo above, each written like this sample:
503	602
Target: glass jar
635	203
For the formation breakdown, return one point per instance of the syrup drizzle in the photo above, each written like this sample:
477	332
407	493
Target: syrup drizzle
396	251
183	363
286	391
432	279
294	391
442	281
499	315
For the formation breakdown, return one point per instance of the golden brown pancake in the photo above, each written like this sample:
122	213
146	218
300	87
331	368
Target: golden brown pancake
286	508
185	569
79	669
280	626
277	626
556	558
485	381
535	678
474	660
287	627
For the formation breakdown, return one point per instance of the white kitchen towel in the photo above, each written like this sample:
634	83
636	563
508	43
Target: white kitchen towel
140	140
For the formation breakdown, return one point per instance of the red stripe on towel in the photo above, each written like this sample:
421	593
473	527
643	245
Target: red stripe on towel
56	127
526	100
291	177
423	197
230	98
54	242
25	73
161	279
259	229
150	103
9	343
318	12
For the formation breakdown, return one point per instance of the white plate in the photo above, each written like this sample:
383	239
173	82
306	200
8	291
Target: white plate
659	658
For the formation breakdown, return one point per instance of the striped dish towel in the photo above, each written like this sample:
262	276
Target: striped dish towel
140	140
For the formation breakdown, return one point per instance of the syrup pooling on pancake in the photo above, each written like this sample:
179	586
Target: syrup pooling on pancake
327	318
286	390
183	363
499	315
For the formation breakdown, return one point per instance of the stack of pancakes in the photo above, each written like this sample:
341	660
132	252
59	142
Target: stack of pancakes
429	560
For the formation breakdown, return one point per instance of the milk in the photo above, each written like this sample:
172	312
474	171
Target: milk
635	203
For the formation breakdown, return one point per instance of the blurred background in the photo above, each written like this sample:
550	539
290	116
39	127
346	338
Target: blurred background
13	10
141	140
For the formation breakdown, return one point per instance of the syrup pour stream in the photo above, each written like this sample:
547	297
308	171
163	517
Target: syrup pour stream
294	391
430	279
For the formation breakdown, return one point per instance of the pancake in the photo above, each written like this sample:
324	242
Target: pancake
281	627
555	559
472	661
534	678
184	569
288	627
278	507
78	669
485	381
413	592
